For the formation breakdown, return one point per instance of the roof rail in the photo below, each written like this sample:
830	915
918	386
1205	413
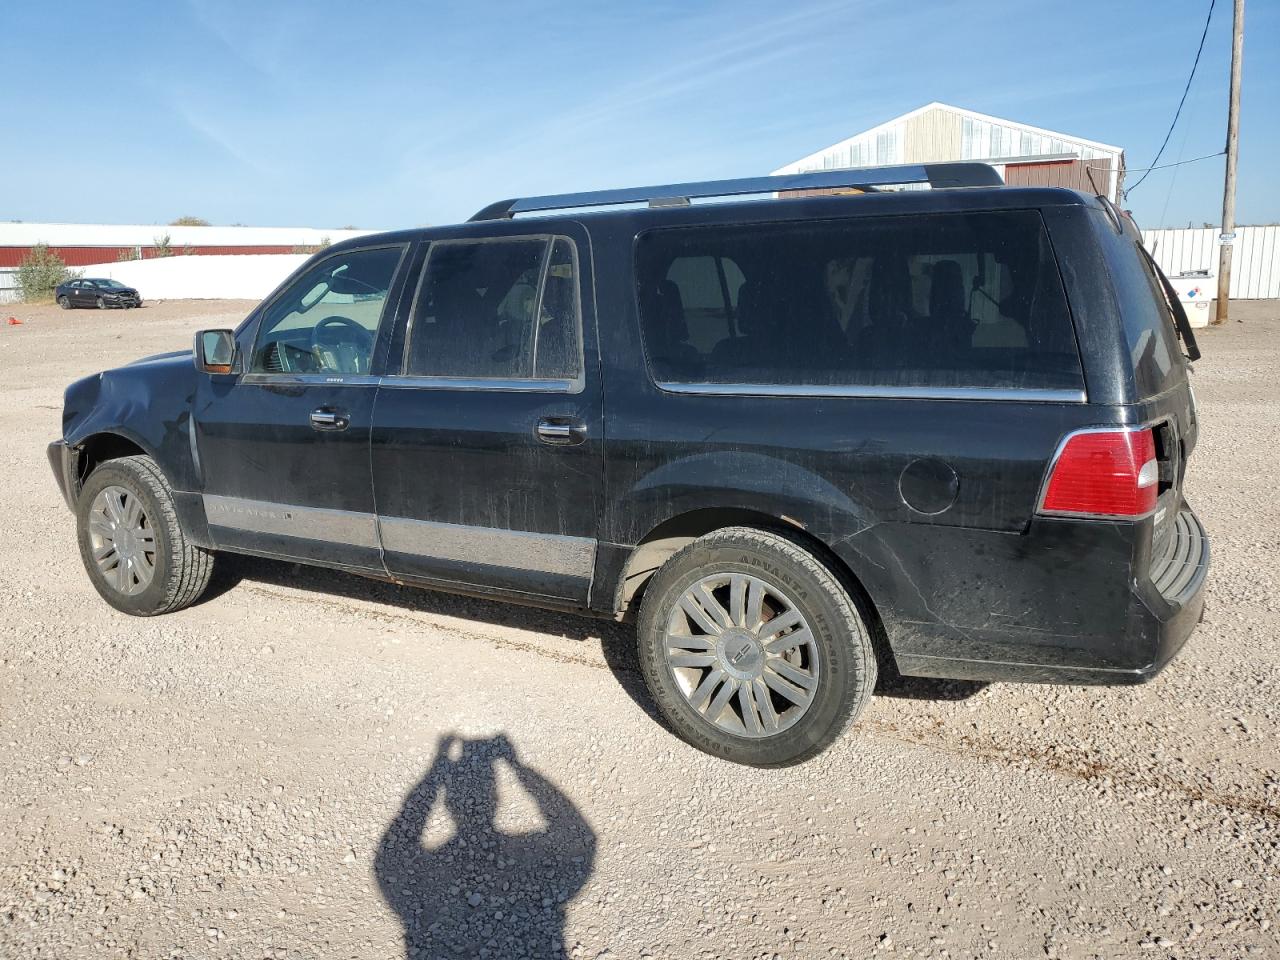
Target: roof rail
937	175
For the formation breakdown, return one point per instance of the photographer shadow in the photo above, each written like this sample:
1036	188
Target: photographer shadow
482	892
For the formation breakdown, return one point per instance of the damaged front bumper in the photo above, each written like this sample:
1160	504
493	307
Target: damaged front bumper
65	461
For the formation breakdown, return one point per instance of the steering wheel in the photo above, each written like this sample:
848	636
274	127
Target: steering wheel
322	340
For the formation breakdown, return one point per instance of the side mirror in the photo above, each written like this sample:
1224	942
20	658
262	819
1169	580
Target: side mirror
215	351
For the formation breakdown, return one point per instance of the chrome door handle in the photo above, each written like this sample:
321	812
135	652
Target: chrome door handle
326	419
561	431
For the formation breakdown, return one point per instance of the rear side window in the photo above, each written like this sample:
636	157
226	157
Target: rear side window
1148	325
503	309
952	300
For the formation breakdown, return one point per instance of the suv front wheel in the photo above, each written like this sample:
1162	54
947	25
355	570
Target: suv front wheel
752	649
133	547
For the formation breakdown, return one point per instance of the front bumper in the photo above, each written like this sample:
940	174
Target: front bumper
65	461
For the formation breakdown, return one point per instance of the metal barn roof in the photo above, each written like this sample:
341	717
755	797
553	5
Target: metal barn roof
938	132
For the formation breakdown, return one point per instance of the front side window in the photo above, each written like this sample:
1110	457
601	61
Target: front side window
326	320
501	309
949	300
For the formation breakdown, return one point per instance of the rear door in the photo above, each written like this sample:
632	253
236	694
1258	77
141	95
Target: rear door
487	446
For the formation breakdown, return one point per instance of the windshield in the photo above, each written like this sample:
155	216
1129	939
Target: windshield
109	284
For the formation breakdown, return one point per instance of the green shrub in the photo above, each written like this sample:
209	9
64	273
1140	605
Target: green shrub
163	246
312	247
40	271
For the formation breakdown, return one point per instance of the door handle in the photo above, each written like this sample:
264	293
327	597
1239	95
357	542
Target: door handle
561	431
327	419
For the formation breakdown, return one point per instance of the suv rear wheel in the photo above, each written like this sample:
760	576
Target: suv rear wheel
753	650
131	543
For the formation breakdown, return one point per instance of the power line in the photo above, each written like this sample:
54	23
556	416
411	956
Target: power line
1178	112
1163	166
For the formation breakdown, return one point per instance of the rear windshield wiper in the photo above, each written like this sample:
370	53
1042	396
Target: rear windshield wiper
1180	321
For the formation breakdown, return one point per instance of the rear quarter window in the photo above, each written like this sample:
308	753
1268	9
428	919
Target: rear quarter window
968	300
1154	353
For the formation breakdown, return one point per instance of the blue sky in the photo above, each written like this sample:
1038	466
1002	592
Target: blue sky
389	114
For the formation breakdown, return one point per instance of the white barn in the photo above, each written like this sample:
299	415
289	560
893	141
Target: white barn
938	132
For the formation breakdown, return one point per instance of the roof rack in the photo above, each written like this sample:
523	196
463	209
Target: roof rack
937	175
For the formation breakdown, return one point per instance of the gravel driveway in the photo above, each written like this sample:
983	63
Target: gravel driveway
314	765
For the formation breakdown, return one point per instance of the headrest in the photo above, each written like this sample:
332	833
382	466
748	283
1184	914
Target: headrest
946	289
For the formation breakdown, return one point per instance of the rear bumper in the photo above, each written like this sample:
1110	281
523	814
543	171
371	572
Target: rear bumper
65	462
1106	618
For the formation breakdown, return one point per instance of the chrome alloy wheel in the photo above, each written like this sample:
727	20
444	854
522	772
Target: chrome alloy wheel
742	654
122	540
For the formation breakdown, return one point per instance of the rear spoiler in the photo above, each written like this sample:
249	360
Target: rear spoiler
1180	321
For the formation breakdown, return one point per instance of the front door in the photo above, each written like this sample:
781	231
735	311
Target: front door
284	447
487	449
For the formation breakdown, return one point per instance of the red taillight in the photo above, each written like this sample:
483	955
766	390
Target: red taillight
1104	473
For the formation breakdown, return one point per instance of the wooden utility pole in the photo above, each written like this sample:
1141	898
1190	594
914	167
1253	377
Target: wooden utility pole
1229	189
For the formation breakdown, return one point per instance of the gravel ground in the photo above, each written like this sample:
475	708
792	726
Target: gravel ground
310	764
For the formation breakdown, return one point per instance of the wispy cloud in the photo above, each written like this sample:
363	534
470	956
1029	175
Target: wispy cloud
695	72
215	134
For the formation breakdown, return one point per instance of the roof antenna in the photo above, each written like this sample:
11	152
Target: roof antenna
1088	172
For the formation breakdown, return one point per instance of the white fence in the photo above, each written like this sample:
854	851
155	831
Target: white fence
237	277
9	292
1255	263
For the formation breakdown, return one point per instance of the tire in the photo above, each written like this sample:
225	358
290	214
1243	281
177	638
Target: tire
102	304
64	302
179	570
836	663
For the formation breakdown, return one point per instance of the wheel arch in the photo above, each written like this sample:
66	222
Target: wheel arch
103	446
673	533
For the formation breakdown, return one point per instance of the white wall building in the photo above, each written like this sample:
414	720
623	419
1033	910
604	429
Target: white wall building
938	132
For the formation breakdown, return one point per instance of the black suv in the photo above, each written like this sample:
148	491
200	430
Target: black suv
799	439
95	292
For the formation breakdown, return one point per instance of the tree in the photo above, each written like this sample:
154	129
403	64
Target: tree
189	222
163	246
40	271
312	247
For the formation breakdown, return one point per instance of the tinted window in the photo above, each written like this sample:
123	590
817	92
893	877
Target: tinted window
326	320
1148	325
556	353
497	309
969	300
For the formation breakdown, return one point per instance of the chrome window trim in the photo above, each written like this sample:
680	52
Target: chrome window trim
311	379
401	382
1028	395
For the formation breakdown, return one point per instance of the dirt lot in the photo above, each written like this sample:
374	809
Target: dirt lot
273	772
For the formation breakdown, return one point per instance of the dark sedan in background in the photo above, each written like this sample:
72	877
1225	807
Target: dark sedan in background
89	292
